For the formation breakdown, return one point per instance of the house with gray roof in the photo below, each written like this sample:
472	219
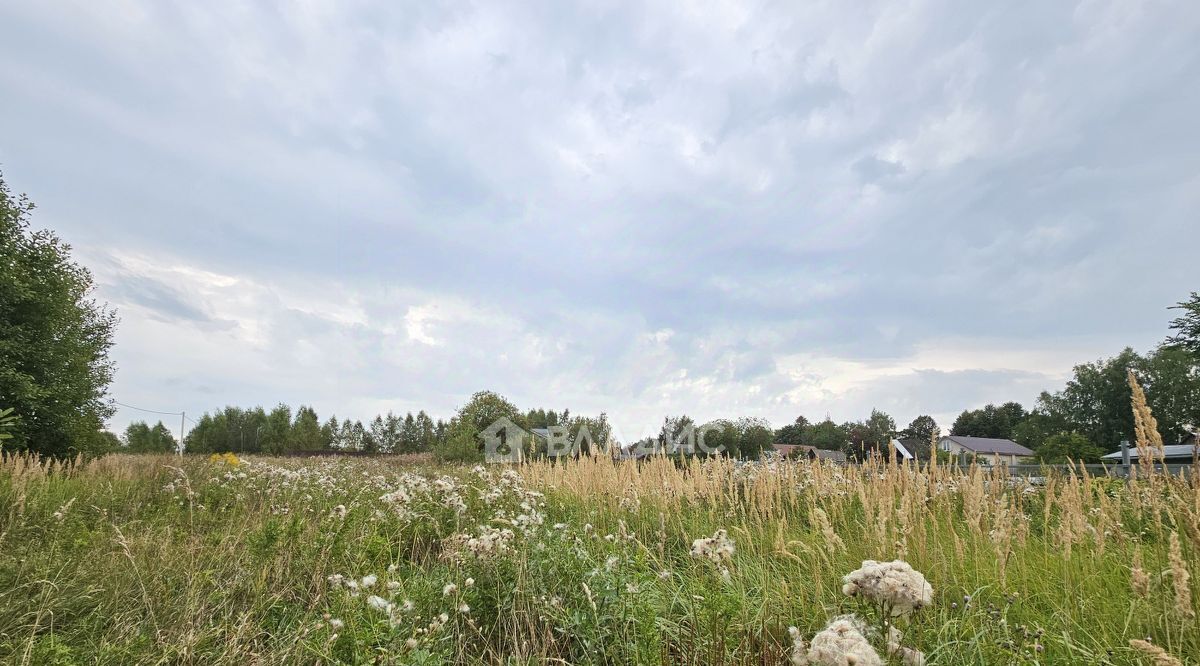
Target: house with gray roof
986	449
810	452
1171	454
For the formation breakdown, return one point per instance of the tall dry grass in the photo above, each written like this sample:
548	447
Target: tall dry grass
154	559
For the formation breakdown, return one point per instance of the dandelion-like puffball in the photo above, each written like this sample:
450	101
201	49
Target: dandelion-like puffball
894	583
470	582
842	643
336	624
379	603
718	547
369	580
449	589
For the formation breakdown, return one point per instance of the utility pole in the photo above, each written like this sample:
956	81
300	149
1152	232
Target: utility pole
182	416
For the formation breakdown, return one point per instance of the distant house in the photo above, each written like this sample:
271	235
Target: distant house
986	449
810	452
1171	453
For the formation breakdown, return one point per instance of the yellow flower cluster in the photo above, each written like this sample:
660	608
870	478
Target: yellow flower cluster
226	458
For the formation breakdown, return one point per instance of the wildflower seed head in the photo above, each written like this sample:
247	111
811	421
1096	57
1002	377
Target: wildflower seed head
895	584
842	643
716	548
379	603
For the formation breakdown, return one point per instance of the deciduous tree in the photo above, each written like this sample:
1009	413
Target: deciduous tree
54	339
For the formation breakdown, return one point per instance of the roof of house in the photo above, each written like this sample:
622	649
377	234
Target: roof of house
1168	451
902	450
820	454
1005	447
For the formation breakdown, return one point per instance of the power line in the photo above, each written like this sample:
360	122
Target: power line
181	415
151	411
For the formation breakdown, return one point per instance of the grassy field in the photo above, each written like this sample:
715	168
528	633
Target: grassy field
155	559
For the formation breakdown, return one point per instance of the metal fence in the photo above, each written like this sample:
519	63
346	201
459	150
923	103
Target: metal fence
1117	470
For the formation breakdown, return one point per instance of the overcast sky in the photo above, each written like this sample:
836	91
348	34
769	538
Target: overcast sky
714	209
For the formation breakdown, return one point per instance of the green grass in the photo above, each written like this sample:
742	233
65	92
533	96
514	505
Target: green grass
160	560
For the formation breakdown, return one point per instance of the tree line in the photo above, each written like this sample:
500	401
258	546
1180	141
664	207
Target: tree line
280	431
858	439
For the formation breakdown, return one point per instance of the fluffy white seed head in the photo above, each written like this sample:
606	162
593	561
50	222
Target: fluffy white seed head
895	584
842	643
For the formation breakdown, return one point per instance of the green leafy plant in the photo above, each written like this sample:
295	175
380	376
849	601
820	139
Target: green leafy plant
7	420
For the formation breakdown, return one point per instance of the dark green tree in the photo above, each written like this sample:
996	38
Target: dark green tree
362	439
992	421
275	436
792	433
141	438
106	442
54	339
1188	326
330	434
721	436
589	433
410	434
677	433
920	434
306	430
1046	419
462	440
1095	401
827	435
1068	446
1170	375
390	435
427	430
754	437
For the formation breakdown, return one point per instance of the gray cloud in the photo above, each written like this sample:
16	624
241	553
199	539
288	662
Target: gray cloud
645	209
161	301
